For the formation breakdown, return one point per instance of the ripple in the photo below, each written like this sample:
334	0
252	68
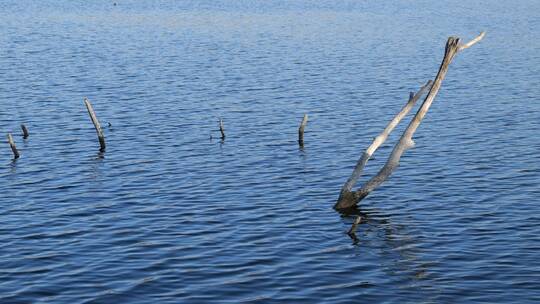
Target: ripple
170	213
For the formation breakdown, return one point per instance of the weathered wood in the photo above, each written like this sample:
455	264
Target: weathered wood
472	42
406	142
301	130
221	129
13	146
347	197
25	131
96	123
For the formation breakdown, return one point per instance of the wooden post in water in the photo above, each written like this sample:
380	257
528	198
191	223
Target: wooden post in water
13	147
301	130
25	131
349	198
95	121
221	129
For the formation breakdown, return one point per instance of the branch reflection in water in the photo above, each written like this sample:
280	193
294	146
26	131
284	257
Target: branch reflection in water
373	229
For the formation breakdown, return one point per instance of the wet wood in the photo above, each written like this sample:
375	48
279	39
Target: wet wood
13	146
97	125
301	130
221	128
351	198
25	131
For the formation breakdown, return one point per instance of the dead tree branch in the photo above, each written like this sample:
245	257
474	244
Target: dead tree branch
346	196
13	146
349	198
301	130
221	129
97	125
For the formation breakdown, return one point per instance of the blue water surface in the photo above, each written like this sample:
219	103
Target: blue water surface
172	214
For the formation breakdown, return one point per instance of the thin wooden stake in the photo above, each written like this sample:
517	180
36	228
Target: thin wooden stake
301	130
13	147
25	131
221	128
95	121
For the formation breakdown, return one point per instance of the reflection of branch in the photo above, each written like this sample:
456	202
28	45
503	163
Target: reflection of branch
350	198
355	225
378	233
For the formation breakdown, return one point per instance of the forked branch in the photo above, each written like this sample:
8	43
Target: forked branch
350	198
346	191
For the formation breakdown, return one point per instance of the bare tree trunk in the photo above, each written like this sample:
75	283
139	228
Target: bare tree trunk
350	199
301	130
13	147
95	121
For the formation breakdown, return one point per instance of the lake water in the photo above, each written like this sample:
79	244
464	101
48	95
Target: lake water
171	214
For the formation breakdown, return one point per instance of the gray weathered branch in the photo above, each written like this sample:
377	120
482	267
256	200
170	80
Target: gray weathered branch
349	198
472	42
221	129
96	123
301	130
13	147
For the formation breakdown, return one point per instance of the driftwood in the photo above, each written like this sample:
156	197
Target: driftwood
13	147
349	198
97	125
221	129
301	130
25	131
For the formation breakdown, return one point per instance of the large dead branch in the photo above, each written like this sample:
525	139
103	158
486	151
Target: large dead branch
346	191
349	198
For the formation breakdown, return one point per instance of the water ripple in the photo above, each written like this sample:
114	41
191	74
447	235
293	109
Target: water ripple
172	214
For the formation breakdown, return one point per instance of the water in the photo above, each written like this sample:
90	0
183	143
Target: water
170	215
